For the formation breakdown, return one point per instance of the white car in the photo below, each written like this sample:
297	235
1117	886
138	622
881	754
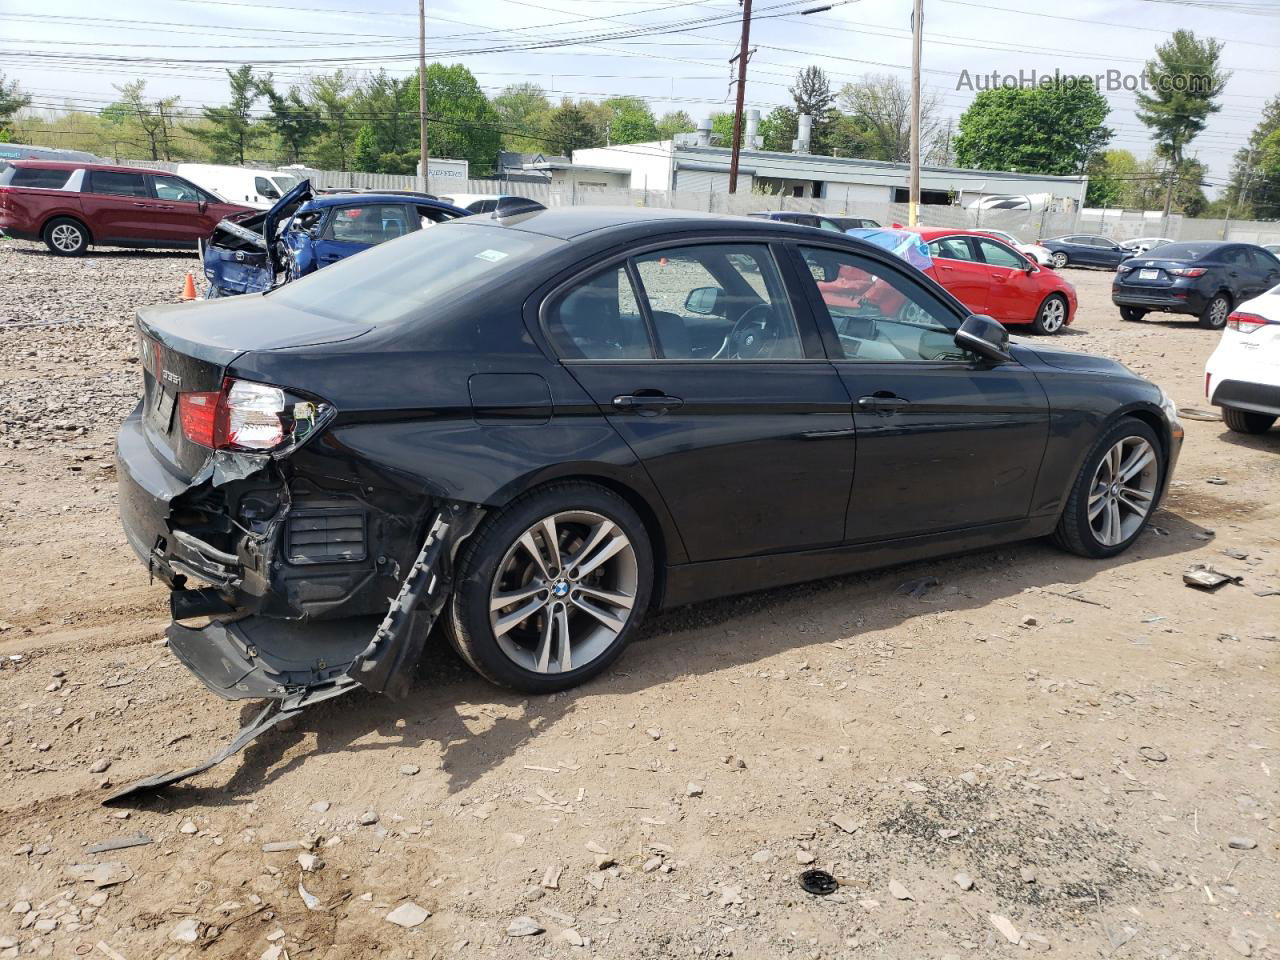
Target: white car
1041	255
1243	374
1140	245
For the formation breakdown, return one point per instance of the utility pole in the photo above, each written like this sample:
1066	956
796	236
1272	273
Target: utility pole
913	190
742	90
423	153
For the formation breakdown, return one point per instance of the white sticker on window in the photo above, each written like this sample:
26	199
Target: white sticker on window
493	256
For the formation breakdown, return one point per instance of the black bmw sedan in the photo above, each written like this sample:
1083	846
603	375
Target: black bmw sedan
1202	278
539	428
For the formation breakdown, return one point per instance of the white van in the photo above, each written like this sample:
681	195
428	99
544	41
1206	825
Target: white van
253	188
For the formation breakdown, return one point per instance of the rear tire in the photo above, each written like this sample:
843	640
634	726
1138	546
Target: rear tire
1060	260
1132	314
591	610
1095	492
1246	421
66	237
1214	315
1052	315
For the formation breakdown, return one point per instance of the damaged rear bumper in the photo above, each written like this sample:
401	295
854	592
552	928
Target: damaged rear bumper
307	583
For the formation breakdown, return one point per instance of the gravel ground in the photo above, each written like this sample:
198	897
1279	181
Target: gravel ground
1077	756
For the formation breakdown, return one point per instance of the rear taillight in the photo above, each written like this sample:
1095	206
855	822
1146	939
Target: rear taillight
1188	271
251	417
1123	268
1246	322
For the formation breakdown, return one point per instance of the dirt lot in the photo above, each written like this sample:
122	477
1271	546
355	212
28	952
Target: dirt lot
1093	745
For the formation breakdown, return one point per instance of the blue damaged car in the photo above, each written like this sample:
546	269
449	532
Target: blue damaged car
252	253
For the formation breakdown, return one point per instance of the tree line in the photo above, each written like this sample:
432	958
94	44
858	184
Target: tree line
369	123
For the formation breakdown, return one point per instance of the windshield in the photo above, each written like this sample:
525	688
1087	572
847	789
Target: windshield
1186	251
284	182
391	282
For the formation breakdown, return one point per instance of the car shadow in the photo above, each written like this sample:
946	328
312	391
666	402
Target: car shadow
1268	441
118	253
448	702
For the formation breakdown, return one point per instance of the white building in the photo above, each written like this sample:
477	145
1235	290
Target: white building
846	182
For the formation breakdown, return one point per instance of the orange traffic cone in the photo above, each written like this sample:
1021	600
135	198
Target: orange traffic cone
189	287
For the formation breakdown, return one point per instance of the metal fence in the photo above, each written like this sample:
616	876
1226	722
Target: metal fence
1026	225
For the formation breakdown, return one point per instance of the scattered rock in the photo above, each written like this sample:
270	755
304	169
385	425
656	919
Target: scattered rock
368	818
899	891
654	733
276	846
408	914
101	874
693	790
1077	773
970	778
1036	942
310	863
805	857
187	931
573	938
410	769
100	766
320	806
310	899
1006	928
551	878
188	828
845	823
1029	621
730	896
1242	843
524	927
963	881
1028	875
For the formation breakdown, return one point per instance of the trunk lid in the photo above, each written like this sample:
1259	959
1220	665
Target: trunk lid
187	348
1153	272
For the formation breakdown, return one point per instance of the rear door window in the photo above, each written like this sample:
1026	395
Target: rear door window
118	184
951	248
38	177
599	319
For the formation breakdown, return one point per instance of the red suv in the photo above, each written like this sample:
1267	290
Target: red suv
72	205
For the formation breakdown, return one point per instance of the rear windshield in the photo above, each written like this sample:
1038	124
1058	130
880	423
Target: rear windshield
391	282
1187	251
34	177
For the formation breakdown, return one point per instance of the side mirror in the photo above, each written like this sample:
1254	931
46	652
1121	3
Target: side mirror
705	301
984	336
1030	268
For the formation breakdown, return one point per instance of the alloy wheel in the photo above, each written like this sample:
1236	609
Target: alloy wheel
563	592
1218	312
65	237
1052	315
1059	260
1123	491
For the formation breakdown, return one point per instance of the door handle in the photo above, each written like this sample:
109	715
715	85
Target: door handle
647	404
1233	274
882	402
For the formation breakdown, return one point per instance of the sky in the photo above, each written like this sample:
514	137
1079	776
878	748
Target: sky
71	52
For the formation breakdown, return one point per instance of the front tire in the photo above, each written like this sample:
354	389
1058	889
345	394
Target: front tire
66	237
1246	421
551	589
1115	492
1060	260
1052	315
1214	315
1132	314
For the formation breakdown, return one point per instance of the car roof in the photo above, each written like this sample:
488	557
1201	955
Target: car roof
367	199
933	233
566	223
78	165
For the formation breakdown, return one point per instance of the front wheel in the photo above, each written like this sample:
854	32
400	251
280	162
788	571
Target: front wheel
1114	493
1060	260
1246	421
1052	315
1132	314
1214	315
552	588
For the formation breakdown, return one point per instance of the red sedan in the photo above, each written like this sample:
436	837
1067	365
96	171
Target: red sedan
988	276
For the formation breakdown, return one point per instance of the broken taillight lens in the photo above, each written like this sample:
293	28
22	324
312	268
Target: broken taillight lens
1246	322
251	417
